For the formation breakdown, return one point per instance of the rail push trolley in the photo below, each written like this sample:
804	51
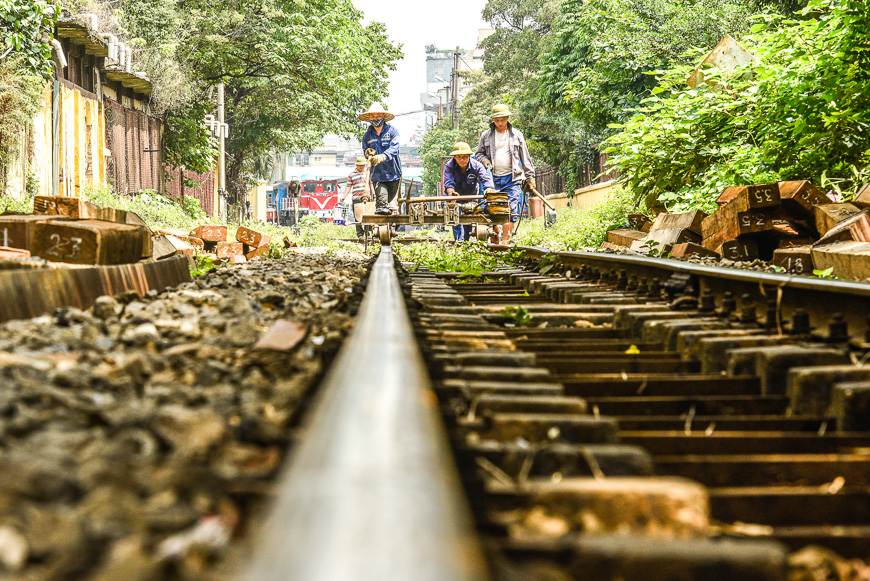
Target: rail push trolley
457	210
453	211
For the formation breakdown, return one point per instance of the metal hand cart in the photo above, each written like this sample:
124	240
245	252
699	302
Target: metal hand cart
419	215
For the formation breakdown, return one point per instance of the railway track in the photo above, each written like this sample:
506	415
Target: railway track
615	418
629	419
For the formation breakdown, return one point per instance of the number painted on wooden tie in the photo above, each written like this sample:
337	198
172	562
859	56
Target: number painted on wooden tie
64	247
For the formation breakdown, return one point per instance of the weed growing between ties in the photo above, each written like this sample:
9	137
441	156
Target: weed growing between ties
577	228
519	316
471	258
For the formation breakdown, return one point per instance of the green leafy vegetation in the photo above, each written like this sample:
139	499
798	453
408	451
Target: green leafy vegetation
576	228
26	29
471	258
292	72
157	210
799	111
21	92
826	273
202	264
519	316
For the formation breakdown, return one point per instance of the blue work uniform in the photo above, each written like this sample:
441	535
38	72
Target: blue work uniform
386	143
466	182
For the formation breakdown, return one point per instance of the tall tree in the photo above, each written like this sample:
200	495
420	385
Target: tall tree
293	70
26	28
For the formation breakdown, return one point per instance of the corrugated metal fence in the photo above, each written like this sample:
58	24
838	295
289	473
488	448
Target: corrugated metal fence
136	160
175	187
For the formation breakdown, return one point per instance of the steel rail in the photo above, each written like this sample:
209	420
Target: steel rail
372	491
820	298
735	274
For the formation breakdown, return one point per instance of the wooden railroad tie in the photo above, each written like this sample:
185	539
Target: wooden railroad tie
90	242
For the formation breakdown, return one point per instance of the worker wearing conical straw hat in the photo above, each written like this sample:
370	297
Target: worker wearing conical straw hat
381	146
503	149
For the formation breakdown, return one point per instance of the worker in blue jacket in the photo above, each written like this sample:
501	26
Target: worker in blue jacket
381	146
464	176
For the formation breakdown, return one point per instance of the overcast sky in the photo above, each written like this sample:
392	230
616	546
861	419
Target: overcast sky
446	24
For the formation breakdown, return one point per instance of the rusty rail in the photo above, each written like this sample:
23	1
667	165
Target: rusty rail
372	491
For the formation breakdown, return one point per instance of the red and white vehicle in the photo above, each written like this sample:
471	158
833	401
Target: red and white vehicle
320	199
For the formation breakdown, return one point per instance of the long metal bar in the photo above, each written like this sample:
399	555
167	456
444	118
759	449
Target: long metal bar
372	492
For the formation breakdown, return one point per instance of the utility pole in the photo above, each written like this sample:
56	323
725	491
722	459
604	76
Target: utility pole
454	81
222	163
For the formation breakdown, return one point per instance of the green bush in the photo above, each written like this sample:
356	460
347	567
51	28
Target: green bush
576	228
800	110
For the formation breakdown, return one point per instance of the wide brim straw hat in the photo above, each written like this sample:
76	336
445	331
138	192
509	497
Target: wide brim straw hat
500	111
461	148
376	108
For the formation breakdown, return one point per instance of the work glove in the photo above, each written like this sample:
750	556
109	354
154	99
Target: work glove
370	152
376	159
486	163
489	191
528	185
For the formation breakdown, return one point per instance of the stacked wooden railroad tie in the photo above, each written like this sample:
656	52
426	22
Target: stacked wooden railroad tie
791	223
71	231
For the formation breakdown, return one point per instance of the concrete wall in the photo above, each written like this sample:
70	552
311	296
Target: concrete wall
583	198
590	196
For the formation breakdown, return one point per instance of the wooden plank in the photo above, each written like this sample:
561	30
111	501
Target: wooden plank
862	198
227	249
741	250
827	216
252	238
688	220
90	242
210	233
753	196
798	260
728	223
262	251
848	259
182	247
794	242
30	293
685	249
16	230
799	197
60	206
856	228
663	240
639	222
161	247
166	245
624	236
7	253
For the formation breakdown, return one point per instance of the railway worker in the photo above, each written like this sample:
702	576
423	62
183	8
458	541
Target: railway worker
502	148
464	176
381	146
356	188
